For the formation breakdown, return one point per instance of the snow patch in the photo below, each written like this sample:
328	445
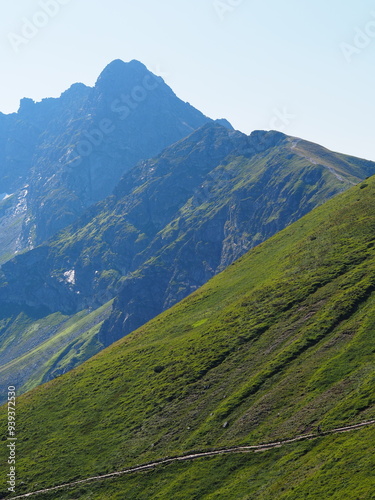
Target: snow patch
70	277
4	196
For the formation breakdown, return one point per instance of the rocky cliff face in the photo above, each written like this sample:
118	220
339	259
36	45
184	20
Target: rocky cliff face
72	151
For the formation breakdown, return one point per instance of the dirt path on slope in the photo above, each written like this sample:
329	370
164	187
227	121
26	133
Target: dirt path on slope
195	456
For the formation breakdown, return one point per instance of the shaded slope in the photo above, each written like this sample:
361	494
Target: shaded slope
279	343
26	138
70	152
129	115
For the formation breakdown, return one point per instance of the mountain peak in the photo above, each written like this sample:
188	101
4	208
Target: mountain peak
77	89
26	104
225	123
119	65
120	71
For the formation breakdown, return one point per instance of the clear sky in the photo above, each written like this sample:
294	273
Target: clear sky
262	64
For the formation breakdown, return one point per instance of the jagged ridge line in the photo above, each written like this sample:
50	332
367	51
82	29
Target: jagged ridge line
195	456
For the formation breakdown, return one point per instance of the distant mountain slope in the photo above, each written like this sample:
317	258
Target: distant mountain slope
278	344
70	152
36	350
173	223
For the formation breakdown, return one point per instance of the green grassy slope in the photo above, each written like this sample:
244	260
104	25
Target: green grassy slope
279	343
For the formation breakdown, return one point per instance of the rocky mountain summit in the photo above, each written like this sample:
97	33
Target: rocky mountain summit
60	156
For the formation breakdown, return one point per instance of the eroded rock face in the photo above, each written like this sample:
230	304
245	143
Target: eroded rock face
72	151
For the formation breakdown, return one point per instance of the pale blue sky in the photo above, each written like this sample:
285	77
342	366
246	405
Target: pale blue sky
260	64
